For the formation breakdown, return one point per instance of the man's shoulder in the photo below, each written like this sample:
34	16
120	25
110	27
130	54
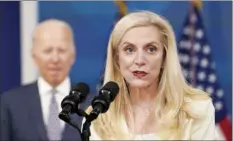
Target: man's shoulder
14	92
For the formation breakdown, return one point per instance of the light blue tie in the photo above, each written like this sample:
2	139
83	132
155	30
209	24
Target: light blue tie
54	127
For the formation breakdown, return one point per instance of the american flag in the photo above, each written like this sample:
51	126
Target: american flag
199	67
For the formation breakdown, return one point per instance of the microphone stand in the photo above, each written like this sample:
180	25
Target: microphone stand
86	126
99	103
86	131
67	119
85	134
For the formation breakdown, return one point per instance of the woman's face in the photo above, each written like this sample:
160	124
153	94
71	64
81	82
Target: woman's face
141	56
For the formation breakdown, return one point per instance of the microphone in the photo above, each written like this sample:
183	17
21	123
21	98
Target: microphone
101	103
71	102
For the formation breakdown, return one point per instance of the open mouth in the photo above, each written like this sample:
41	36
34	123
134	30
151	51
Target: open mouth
139	74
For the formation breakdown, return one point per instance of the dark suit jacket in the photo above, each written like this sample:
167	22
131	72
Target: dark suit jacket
22	119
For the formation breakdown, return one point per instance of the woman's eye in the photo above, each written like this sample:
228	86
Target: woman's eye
129	50
151	49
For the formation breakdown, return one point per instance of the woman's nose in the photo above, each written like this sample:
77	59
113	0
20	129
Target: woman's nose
139	59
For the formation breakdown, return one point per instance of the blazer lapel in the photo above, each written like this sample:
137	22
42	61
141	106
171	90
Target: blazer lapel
35	112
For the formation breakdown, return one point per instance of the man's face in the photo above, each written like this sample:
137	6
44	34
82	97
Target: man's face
54	54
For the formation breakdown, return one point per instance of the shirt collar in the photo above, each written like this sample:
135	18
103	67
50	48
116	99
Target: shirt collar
63	88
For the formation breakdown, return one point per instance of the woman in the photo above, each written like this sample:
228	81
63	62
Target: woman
154	101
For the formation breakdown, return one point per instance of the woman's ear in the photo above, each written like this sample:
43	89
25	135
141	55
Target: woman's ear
164	59
162	66
116	58
117	63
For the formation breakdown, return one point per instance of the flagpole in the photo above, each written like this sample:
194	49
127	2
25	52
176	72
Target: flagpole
197	3
122	9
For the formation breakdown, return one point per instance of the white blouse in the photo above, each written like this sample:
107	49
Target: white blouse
195	129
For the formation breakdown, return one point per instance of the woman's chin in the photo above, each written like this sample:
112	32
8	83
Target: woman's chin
139	84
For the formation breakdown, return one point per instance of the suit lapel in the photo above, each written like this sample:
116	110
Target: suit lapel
35	112
70	133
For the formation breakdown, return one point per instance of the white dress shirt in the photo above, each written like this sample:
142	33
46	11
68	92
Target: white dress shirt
45	97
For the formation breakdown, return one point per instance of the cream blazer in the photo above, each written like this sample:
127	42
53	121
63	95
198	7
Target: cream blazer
201	129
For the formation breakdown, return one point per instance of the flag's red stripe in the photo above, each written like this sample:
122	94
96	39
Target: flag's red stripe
226	128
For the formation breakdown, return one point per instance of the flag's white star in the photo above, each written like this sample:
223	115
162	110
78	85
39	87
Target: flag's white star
199	33
185	44
212	78
197	47
220	93
204	62
209	90
218	105
185	58
188	30
201	76
206	49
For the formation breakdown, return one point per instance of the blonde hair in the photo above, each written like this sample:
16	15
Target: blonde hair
171	107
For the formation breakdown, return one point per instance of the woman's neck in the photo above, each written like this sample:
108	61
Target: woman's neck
141	120
143	96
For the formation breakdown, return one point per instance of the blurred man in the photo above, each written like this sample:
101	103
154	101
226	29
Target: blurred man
31	112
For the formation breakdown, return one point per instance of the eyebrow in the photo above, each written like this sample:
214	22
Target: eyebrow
152	42
156	43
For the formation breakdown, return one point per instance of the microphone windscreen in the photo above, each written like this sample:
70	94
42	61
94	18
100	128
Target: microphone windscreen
83	88
112	87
